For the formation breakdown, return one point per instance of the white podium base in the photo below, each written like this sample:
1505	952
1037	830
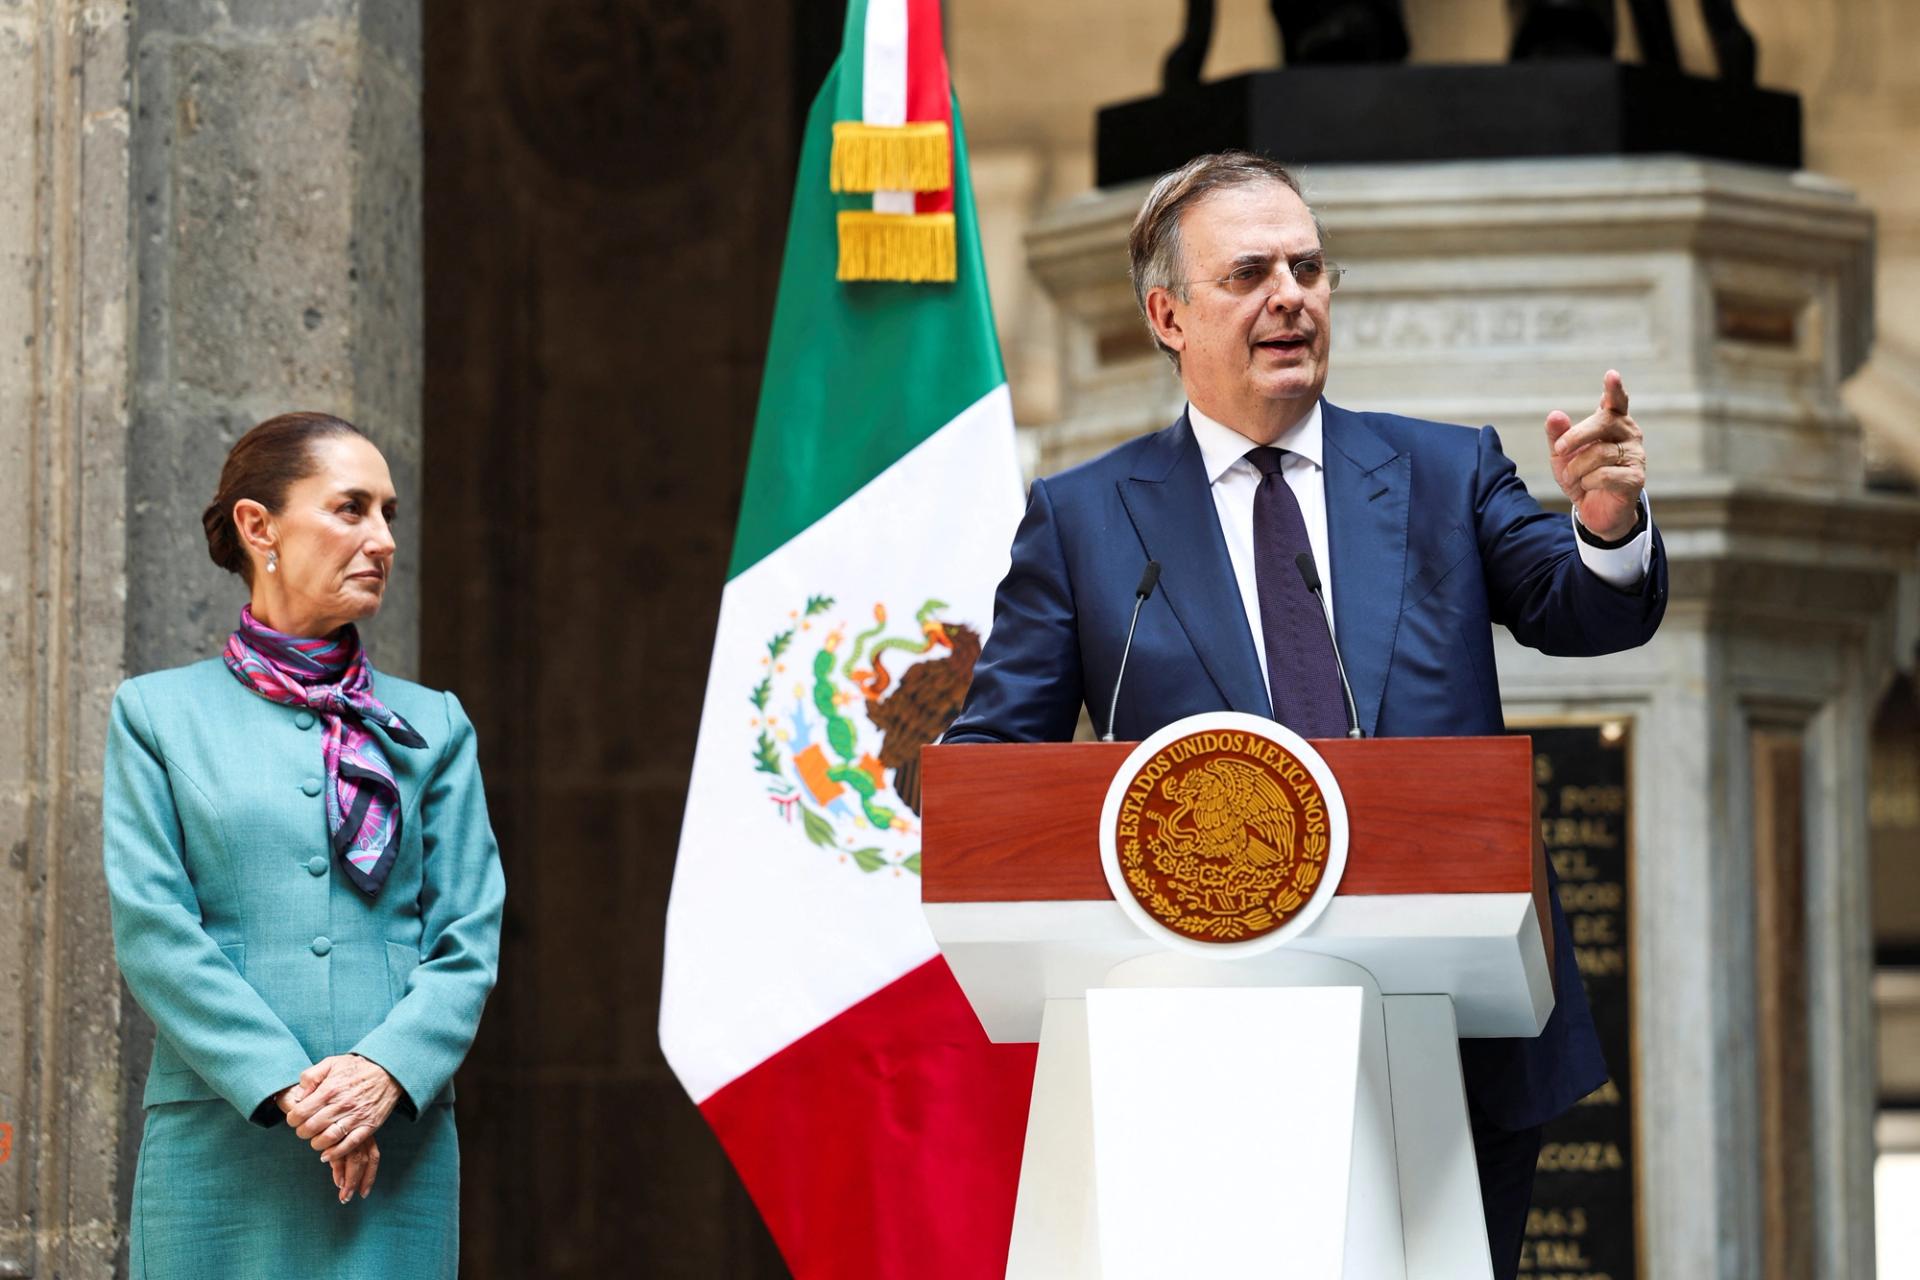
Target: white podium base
1194	1119
1224	1125
1055	1215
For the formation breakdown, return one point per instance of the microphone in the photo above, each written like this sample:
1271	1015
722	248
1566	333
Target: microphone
1311	576
1148	578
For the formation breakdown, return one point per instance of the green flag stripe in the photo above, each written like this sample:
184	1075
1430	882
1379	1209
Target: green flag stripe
848	97
856	374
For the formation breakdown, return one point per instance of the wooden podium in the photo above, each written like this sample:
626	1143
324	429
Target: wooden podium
1295	1113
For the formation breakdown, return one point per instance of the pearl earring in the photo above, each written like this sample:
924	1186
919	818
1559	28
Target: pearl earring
273	561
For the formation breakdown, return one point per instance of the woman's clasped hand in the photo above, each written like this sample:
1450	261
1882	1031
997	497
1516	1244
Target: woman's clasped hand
337	1107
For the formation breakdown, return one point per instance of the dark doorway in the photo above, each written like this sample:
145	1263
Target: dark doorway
606	191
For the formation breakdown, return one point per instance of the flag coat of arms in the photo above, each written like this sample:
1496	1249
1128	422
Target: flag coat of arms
804	1004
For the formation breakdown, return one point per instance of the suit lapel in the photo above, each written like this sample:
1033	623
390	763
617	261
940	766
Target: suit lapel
1171	506
1367	483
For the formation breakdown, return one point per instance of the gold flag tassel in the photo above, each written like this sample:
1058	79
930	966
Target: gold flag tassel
890	157
912	247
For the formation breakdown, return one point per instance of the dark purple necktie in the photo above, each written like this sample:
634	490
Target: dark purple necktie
1301	674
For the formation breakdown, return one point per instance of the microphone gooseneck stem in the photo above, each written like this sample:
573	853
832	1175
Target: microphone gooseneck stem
1353	712
1310	575
1149	578
1113	707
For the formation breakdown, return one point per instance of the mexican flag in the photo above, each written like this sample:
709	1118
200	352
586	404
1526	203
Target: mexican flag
804	1005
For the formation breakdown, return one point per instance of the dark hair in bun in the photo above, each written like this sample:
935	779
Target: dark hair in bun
262	465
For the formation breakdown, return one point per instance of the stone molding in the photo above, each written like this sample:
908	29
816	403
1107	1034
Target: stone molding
1736	299
64	307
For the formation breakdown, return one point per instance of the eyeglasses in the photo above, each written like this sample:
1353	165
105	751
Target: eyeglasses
1250	278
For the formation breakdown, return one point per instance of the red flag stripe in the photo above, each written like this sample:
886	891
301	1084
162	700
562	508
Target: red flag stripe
929	92
886	1143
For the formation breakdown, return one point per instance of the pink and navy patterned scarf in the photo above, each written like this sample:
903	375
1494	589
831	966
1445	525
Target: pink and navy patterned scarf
332	678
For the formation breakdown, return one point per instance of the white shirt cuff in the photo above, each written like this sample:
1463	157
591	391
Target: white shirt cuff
1624	567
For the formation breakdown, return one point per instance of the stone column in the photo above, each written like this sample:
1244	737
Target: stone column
64	265
1734	300
276	168
216	218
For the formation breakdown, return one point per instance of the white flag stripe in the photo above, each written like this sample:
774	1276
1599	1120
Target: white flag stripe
883	74
769	936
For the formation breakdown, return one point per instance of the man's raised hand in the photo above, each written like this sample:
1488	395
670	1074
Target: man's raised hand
1600	462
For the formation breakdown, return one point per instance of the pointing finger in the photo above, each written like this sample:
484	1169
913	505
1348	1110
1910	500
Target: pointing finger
1613	393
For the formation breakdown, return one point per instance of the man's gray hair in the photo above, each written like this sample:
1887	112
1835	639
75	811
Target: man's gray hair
1153	246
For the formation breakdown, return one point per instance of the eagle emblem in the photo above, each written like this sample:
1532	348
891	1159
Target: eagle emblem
1230	810
1222	836
840	713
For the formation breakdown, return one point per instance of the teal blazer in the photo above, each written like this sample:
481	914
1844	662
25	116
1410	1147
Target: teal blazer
236	929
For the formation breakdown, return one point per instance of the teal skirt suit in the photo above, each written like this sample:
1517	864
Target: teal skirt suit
255	956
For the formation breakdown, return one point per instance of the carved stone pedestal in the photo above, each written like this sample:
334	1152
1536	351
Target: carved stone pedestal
1734	300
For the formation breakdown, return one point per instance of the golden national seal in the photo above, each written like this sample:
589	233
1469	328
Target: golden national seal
1222	836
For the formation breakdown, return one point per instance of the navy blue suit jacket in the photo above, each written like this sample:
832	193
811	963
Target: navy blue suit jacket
1432	538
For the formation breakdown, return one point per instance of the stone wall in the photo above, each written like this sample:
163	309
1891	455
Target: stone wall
64	351
216	220
277	230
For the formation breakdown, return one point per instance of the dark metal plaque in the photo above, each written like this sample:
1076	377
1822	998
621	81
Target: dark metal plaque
1584	1222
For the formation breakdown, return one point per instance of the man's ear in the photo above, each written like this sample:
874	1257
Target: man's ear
1163	315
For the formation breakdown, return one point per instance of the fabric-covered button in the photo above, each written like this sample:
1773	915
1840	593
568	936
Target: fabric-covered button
304	720
317	865
322	945
311	786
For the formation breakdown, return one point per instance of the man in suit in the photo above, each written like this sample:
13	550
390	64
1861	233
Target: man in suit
1422	534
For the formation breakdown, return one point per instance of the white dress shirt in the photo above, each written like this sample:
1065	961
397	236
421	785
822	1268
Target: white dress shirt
1234	480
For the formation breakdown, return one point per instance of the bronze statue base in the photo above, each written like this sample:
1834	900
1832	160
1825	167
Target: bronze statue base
1369	114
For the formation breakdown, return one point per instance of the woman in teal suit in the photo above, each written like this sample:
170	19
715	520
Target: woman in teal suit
306	900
